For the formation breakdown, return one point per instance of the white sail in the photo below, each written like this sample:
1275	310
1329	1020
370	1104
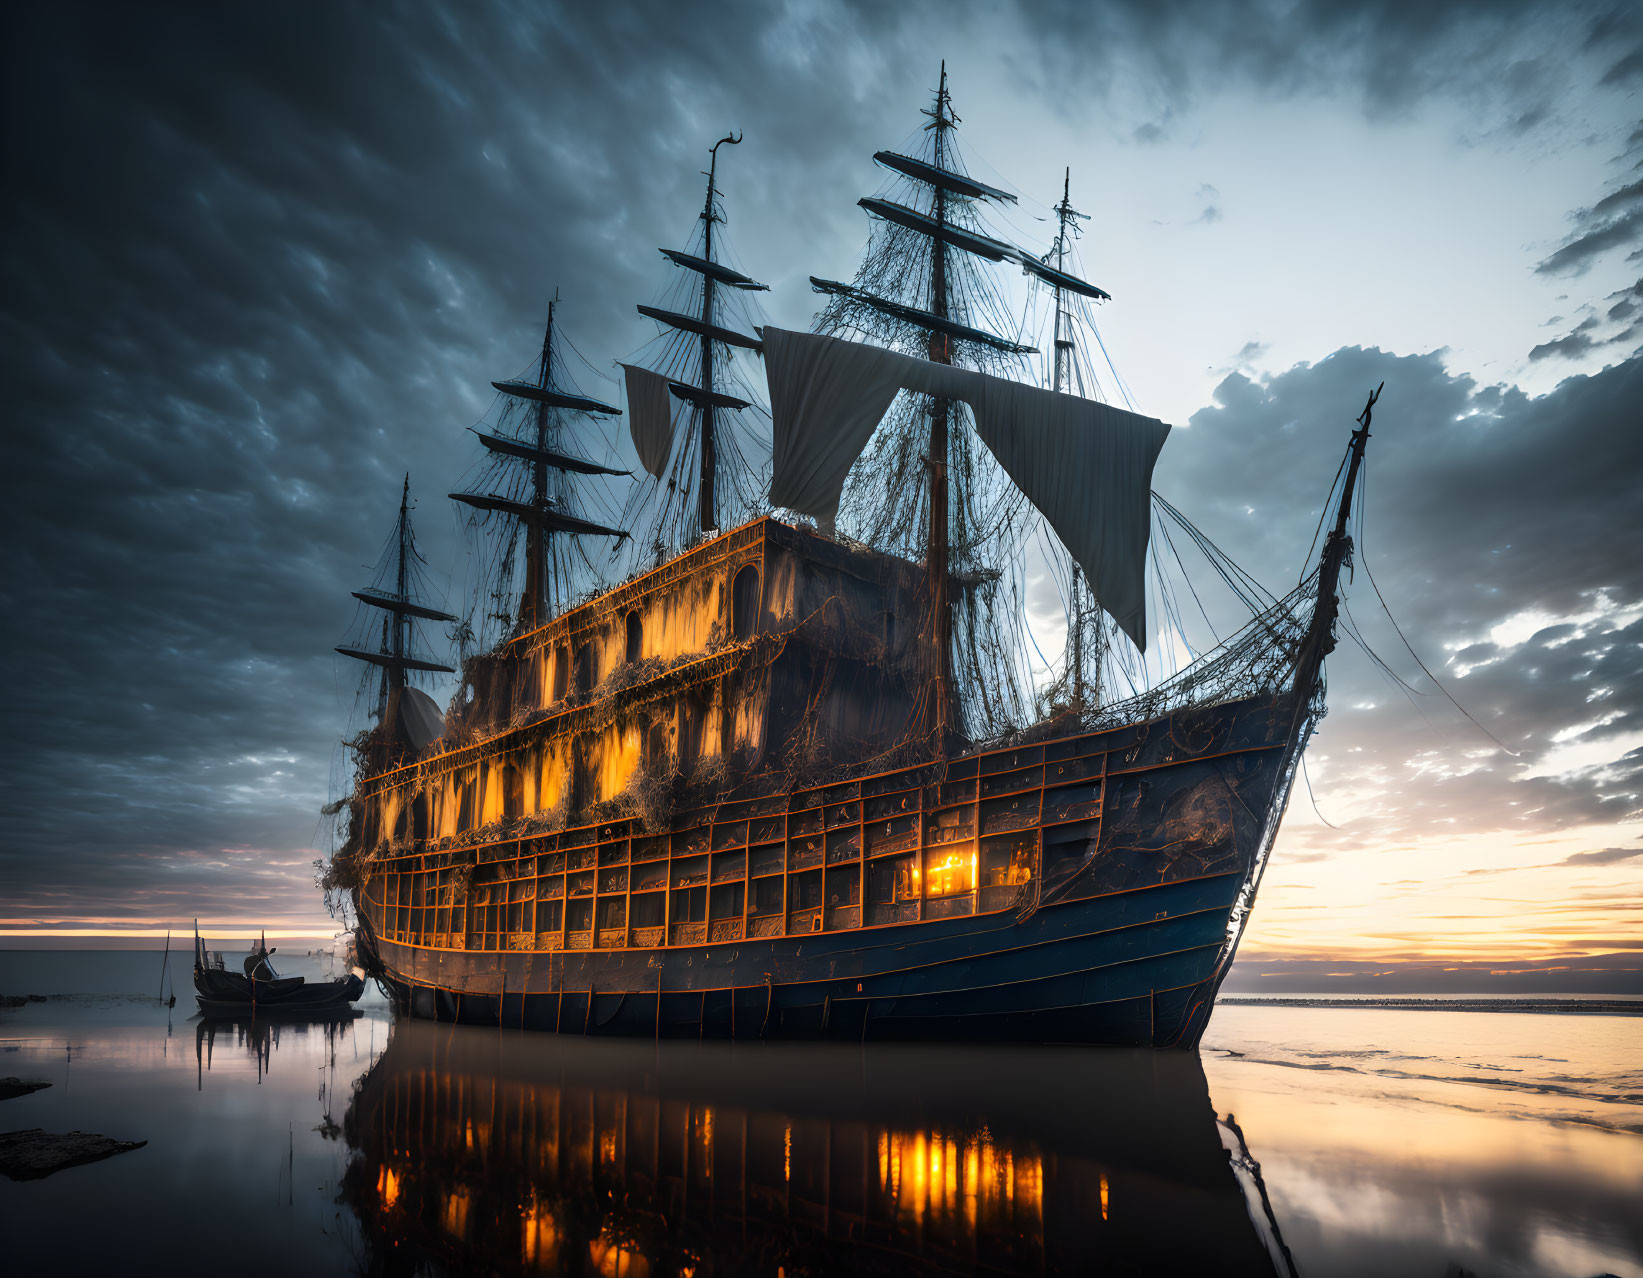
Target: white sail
1085	465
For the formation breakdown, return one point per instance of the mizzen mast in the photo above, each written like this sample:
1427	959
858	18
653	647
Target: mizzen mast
540	507
400	608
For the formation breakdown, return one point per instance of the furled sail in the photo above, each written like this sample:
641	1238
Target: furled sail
391	602
542	515
717	270
983	246
1085	465
554	398
547	456
650	417
701	328
927	320
392	661
944	179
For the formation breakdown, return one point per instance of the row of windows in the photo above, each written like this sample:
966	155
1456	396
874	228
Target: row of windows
432	907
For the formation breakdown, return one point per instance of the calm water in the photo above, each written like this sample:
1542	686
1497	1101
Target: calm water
1387	1141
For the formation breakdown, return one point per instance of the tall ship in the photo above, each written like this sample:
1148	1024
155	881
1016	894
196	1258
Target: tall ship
792	776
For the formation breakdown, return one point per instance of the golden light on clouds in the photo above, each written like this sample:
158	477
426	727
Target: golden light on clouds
1468	896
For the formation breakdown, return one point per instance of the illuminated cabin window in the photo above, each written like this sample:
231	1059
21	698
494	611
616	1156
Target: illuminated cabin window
949	871
744	603
635	637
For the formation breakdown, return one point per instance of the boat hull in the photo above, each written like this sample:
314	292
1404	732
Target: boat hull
230	995
1122	935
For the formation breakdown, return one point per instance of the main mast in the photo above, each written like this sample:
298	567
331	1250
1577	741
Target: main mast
933	312
936	551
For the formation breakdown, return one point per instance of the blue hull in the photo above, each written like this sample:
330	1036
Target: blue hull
1146	844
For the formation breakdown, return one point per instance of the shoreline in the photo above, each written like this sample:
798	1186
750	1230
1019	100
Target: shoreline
1486	1003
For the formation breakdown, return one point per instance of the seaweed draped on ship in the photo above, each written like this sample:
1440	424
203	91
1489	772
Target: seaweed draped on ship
785	782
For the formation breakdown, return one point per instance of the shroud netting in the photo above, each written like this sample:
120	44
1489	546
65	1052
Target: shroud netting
577	565
886	501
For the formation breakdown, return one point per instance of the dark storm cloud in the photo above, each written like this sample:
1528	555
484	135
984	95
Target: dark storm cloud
260	260
1509	59
1480	504
1569	346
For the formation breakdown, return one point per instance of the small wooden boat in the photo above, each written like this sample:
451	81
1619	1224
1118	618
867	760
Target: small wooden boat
263	991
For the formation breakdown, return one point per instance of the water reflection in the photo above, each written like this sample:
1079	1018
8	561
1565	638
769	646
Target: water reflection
260	1037
474	1150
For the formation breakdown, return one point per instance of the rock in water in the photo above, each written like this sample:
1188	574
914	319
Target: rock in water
28	1155
11	1088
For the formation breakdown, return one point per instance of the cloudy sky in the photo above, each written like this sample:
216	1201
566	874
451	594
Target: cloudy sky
258	262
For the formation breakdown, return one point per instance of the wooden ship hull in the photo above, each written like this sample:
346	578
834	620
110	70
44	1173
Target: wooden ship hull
1084	888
